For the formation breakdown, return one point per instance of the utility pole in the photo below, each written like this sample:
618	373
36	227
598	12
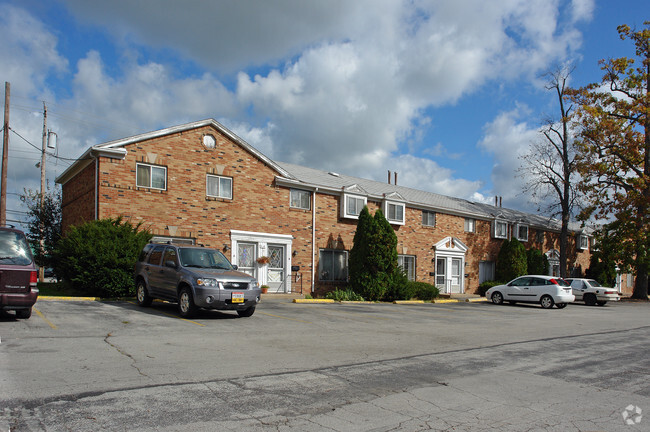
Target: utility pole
41	270
5	156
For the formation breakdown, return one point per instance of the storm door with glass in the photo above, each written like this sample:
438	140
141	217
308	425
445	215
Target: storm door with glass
456	279
441	274
246	258
276	273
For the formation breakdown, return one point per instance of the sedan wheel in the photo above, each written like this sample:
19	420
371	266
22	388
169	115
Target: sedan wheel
601	303
547	302
561	305
590	299
186	306
497	298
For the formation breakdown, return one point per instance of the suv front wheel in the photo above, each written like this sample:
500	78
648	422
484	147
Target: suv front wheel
186	306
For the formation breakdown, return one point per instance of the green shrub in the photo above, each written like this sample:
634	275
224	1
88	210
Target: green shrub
343	295
98	257
399	287
537	262
482	288
424	291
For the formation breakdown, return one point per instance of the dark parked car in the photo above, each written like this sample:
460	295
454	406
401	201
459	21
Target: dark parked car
195	277
18	275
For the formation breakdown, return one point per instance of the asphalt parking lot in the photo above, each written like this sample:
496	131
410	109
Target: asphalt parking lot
87	365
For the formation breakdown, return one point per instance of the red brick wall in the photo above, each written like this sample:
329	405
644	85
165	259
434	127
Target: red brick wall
78	198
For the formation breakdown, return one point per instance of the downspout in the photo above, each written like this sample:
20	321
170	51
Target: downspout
96	188
313	240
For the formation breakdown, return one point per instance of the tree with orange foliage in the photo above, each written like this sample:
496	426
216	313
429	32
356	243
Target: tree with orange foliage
614	152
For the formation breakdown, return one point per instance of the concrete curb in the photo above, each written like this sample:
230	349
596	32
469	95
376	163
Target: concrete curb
441	301
407	302
63	298
476	300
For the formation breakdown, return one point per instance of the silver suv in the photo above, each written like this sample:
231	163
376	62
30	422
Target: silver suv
195	277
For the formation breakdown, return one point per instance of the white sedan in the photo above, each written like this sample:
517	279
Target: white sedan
545	290
591	292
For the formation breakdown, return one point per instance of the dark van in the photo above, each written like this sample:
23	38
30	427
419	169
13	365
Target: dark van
18	275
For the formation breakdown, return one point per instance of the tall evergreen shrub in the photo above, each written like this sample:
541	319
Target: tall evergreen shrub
511	261
537	262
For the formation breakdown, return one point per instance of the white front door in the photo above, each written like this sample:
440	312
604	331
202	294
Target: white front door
246	255
276	269
441	274
456	275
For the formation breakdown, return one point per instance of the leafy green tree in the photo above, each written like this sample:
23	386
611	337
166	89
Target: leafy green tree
614	147
98	257
47	218
537	262
511	261
603	261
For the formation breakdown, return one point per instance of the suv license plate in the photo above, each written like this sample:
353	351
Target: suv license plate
237	297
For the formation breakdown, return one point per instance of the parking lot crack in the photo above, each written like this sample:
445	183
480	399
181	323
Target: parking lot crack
134	363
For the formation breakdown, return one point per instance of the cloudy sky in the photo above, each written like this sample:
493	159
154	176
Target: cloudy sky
446	92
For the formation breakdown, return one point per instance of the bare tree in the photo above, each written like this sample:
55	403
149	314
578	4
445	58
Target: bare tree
549	166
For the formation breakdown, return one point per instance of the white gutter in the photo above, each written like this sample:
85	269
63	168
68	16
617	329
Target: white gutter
313	240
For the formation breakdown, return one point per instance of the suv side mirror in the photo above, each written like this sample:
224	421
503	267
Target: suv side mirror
235	267
170	263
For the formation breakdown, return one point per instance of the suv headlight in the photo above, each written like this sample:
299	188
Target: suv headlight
255	284
207	282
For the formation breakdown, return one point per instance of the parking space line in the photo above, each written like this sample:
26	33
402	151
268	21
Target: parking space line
40	314
287	318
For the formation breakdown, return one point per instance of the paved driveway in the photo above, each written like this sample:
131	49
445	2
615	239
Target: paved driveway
88	366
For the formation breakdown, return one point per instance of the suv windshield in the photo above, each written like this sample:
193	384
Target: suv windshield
203	258
14	249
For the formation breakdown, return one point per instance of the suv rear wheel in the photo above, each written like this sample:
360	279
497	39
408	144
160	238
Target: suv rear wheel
143	297
186	306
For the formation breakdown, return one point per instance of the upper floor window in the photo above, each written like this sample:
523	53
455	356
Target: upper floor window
470	225
300	199
428	218
583	242
522	232
395	212
150	176
352	205
500	229
407	262
219	187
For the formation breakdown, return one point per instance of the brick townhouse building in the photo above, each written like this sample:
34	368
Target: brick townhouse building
291	226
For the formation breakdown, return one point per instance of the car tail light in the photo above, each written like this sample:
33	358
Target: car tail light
33	278
554	282
610	292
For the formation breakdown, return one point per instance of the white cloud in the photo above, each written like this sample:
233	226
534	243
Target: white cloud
339	85
507	139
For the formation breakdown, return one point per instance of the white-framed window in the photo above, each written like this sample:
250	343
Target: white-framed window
539	236
428	218
151	176
394	212
218	187
333	265
470	225
352	205
407	262
583	242
522	232
500	229
300	199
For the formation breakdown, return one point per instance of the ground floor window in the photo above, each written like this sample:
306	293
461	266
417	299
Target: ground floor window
333	265
407	262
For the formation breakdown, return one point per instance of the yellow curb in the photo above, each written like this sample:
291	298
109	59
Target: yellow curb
444	301
472	300
64	298
313	301
408	302
357	302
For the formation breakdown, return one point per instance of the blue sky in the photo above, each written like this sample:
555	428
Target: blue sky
448	93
